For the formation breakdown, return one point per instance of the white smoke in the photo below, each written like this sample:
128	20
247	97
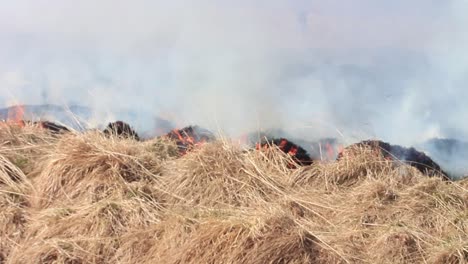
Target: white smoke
395	70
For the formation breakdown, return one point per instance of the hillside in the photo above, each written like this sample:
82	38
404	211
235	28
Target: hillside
88	198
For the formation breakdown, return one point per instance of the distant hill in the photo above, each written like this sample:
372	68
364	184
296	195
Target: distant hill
73	116
80	117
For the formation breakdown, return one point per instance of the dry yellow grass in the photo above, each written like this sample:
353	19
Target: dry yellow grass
222	175
24	145
86	198
13	203
91	167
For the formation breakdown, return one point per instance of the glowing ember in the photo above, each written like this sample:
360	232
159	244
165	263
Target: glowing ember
189	137
299	155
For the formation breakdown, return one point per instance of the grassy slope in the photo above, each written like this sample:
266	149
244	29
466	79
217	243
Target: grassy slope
86	198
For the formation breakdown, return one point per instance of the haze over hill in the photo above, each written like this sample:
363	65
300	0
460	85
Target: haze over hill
450	154
81	118
395	70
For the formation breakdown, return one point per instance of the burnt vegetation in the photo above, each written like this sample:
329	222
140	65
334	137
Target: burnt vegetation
410	156
121	129
53	127
189	137
298	153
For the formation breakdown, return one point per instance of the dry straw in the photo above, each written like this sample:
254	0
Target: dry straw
87	198
222	175
23	145
13	203
91	167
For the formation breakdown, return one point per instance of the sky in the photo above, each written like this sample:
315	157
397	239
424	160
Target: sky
396	70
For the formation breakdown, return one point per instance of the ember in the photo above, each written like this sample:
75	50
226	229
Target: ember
410	156
121	129
189	137
299	154
324	149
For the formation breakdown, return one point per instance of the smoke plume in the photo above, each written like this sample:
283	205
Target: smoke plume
395	71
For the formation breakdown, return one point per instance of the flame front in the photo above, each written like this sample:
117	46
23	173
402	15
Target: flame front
16	115
186	139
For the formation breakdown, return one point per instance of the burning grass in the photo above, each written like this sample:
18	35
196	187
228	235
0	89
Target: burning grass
96	199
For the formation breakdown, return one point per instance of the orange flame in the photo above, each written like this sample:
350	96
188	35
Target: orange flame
293	151
16	115
282	144
186	140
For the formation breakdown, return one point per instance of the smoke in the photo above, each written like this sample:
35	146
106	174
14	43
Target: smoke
360	69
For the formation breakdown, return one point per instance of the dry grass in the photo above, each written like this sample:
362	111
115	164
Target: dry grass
13	203
253	235
91	167
24	145
92	199
222	175
12	220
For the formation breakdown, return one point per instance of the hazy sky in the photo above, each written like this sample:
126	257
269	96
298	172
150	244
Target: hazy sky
365	67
